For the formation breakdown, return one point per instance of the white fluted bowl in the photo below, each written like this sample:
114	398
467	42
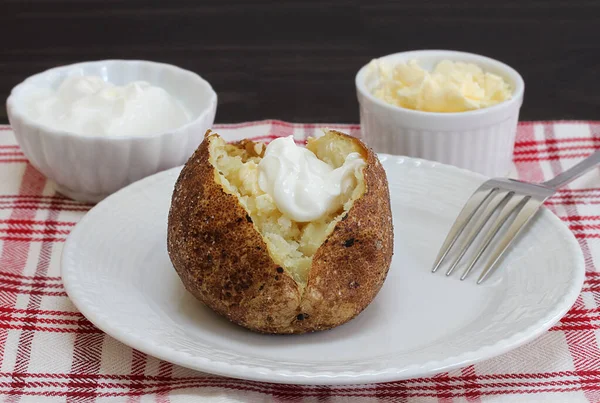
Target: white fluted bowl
89	168
480	140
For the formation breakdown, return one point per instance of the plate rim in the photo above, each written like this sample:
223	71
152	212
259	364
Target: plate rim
262	374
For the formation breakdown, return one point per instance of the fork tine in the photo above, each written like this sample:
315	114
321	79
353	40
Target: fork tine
465	216
500	221
498	207
520	221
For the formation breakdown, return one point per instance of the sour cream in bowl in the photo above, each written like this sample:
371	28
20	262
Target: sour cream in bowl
95	127
90	106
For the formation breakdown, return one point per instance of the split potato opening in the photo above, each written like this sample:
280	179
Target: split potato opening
291	244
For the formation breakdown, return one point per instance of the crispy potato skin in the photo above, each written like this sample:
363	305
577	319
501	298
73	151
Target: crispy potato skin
223	261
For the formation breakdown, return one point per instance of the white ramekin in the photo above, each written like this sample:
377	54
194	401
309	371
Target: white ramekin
89	168
480	140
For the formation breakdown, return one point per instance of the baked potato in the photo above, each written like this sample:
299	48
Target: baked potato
238	254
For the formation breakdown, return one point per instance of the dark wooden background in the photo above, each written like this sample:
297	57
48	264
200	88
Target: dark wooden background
296	60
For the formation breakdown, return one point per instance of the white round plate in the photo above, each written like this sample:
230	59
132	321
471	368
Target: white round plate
117	272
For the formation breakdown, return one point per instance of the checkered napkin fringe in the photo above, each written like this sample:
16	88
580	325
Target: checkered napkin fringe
50	353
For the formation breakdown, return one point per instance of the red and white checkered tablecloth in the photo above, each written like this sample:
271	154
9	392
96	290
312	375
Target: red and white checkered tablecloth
50	353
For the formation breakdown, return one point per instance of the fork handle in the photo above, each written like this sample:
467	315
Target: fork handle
574	172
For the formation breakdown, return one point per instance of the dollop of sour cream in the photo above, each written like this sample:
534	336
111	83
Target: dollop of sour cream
303	187
90	106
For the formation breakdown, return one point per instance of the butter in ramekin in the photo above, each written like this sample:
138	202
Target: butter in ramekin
450	87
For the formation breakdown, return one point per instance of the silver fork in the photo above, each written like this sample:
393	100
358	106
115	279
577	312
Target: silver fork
505	199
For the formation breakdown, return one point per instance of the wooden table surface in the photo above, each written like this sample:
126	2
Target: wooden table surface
296	60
